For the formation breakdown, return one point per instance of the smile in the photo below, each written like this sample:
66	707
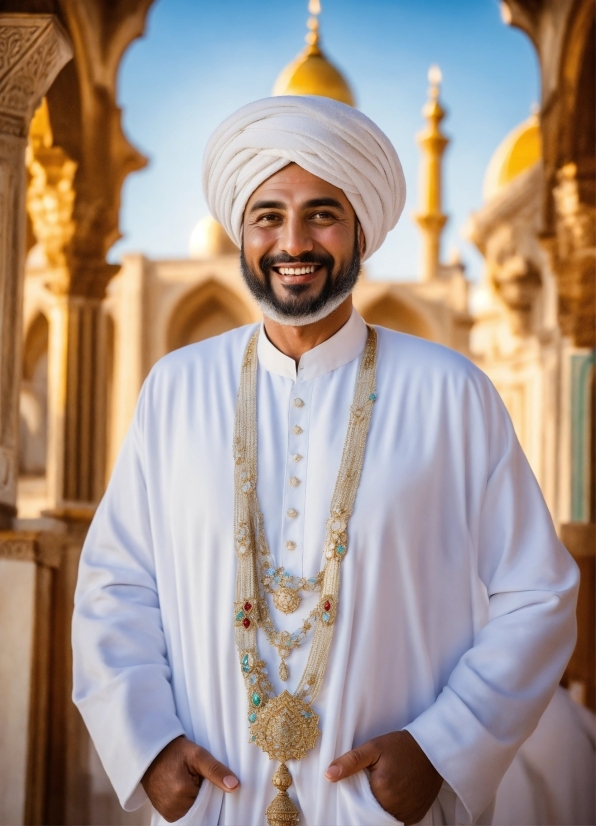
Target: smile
304	270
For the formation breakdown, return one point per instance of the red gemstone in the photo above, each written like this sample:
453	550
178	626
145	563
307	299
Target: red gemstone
327	606
246	622
247	606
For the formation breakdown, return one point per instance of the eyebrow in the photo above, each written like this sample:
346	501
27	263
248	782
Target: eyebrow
312	204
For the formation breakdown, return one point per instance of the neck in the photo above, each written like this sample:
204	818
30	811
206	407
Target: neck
296	341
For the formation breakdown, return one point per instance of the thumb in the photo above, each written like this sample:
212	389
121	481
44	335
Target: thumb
353	761
205	764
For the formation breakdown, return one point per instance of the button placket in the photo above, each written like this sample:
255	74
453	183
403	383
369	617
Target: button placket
295	478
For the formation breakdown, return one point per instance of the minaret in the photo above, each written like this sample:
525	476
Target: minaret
430	219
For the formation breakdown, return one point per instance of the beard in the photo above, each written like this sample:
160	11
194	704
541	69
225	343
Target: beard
296	308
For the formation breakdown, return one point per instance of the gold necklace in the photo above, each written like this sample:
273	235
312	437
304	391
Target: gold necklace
286	727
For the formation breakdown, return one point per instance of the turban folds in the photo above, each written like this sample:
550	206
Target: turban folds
329	139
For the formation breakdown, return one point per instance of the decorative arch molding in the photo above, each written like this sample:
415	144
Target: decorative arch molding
205	311
394	312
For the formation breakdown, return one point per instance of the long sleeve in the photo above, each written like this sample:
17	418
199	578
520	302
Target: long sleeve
501	686
121	671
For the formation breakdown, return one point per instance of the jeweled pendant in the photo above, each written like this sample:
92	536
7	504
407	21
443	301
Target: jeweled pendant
286	599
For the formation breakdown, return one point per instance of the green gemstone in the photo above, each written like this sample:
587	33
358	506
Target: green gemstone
252	717
239	616
256	699
341	549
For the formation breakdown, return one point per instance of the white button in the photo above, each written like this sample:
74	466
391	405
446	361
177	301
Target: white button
294	481
297	429
292	513
297	457
298	403
290	545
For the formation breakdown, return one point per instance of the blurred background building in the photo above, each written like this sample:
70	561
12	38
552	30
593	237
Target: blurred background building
78	335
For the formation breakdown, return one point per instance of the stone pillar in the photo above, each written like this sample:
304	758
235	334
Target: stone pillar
433	143
33	49
76	405
28	562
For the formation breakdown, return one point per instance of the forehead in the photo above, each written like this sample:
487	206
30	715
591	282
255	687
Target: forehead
293	185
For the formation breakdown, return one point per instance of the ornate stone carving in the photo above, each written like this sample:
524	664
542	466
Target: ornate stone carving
573	255
50	198
32	546
33	49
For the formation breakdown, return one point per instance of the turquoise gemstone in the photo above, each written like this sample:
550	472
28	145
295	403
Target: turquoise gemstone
252	680
252	717
341	549
313	580
373	397
253	738
256	699
325	617
240	615
306	714
270	571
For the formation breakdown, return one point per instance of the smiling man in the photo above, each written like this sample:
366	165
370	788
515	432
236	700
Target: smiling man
322	559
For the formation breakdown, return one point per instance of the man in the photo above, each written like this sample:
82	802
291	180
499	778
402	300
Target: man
455	617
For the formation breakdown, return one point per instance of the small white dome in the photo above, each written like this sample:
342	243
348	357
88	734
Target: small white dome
209	239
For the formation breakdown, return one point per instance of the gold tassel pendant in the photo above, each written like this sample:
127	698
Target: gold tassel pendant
282	811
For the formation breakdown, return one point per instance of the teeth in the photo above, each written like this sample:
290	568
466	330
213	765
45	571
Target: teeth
297	270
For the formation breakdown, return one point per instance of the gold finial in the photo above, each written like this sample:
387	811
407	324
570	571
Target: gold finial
282	811
313	36
431	140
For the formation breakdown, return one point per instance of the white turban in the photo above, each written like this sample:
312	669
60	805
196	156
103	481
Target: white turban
329	139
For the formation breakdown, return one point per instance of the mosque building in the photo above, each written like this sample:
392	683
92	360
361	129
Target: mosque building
92	331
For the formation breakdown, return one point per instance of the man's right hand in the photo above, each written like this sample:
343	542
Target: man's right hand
173	780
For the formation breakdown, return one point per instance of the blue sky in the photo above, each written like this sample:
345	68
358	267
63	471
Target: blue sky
200	60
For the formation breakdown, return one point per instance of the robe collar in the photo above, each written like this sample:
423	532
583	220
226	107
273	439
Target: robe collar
343	347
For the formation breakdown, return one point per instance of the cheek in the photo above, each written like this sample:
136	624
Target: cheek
257	243
337	240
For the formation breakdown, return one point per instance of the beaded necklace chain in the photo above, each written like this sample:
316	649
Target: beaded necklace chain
285	726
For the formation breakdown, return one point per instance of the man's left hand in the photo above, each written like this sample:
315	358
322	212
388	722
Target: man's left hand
402	778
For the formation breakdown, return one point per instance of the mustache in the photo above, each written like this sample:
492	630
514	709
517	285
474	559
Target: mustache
323	259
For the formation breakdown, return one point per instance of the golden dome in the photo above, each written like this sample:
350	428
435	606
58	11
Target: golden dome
310	73
209	239
520	150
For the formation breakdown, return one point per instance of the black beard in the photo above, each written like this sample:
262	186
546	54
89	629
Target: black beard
297	305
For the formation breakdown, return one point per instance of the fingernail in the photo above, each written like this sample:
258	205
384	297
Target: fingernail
230	782
332	772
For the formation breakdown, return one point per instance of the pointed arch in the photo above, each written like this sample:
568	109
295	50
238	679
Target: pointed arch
208	310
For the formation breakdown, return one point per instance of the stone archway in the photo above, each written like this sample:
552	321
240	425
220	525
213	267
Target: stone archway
208	310
389	311
33	401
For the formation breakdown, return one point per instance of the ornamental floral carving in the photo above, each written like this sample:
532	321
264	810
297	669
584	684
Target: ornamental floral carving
33	49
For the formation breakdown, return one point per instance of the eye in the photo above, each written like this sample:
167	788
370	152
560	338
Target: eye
268	218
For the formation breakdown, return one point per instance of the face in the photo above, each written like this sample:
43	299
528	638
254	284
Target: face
301	247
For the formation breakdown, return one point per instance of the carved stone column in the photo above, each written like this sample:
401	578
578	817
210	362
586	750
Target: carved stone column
33	49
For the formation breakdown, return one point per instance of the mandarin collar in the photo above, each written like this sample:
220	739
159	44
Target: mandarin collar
343	347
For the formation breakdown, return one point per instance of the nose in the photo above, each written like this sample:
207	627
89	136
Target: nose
295	238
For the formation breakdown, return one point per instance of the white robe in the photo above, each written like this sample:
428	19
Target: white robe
456	614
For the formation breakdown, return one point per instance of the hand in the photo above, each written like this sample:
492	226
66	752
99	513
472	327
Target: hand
402	778
173	780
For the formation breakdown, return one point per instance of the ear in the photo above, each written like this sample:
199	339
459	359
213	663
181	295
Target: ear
361	239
